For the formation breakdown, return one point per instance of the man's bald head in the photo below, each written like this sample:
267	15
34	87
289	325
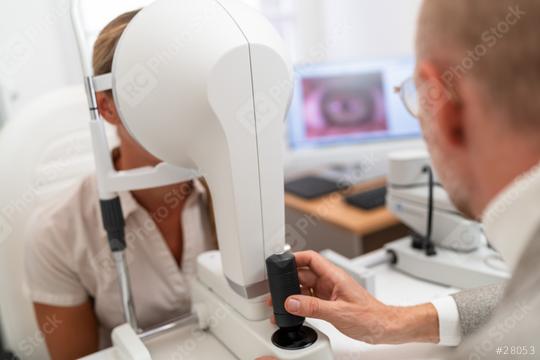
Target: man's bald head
493	41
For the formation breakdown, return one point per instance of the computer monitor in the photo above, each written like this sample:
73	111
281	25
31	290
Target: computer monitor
343	114
344	104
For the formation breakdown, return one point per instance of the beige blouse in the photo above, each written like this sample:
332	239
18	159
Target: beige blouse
68	260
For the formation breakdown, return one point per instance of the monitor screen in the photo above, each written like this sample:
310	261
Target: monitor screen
349	104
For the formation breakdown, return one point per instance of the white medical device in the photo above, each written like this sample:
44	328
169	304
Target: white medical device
408	198
461	256
446	248
204	85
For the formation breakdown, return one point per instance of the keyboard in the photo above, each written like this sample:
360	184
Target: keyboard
368	200
311	187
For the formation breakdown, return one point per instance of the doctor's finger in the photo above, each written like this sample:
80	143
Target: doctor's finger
315	262
308	306
307	278
304	290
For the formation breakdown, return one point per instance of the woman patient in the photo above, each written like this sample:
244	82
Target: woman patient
70	270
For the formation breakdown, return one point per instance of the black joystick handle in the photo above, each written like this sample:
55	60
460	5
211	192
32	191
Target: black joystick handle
283	282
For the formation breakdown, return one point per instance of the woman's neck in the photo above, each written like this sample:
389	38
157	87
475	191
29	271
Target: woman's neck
162	202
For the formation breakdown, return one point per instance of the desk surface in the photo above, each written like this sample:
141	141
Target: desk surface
333	209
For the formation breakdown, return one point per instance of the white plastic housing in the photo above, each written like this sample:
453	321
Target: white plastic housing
408	200
245	338
205	85
459	270
405	167
450	229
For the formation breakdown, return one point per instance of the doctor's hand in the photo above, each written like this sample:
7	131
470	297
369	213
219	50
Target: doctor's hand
330	294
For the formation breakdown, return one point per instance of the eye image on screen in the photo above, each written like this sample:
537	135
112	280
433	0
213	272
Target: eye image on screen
344	105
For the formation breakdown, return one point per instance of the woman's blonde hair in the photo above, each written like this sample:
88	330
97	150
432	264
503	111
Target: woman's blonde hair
105	45
102	60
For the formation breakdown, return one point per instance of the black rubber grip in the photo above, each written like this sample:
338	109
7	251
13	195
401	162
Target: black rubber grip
113	222
283	282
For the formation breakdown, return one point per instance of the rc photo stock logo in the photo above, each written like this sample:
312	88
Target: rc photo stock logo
266	112
433	96
14	55
5	229
136	85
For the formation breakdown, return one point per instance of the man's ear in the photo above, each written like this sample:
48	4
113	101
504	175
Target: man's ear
439	102
107	108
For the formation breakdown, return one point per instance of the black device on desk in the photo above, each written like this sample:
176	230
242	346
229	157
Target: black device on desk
311	187
368	200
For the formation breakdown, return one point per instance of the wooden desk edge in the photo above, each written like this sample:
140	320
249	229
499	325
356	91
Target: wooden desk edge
333	209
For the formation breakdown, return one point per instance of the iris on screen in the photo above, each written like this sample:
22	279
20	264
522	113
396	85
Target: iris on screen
344	105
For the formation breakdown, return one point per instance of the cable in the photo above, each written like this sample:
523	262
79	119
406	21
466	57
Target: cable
414	185
428	242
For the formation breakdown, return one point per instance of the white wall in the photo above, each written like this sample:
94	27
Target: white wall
37	50
341	30
310	31
374	28
37	47
4	110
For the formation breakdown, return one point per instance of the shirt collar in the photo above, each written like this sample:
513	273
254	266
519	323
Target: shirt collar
130	205
199	189
512	218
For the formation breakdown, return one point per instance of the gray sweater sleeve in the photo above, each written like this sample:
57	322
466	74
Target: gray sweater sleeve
475	306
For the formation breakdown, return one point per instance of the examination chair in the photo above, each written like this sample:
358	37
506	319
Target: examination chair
44	150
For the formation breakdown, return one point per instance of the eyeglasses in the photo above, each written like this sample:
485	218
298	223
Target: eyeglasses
409	95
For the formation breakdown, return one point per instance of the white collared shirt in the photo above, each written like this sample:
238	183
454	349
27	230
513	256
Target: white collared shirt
68	259
510	221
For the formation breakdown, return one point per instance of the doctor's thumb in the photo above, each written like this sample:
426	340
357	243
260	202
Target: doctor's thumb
307	306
